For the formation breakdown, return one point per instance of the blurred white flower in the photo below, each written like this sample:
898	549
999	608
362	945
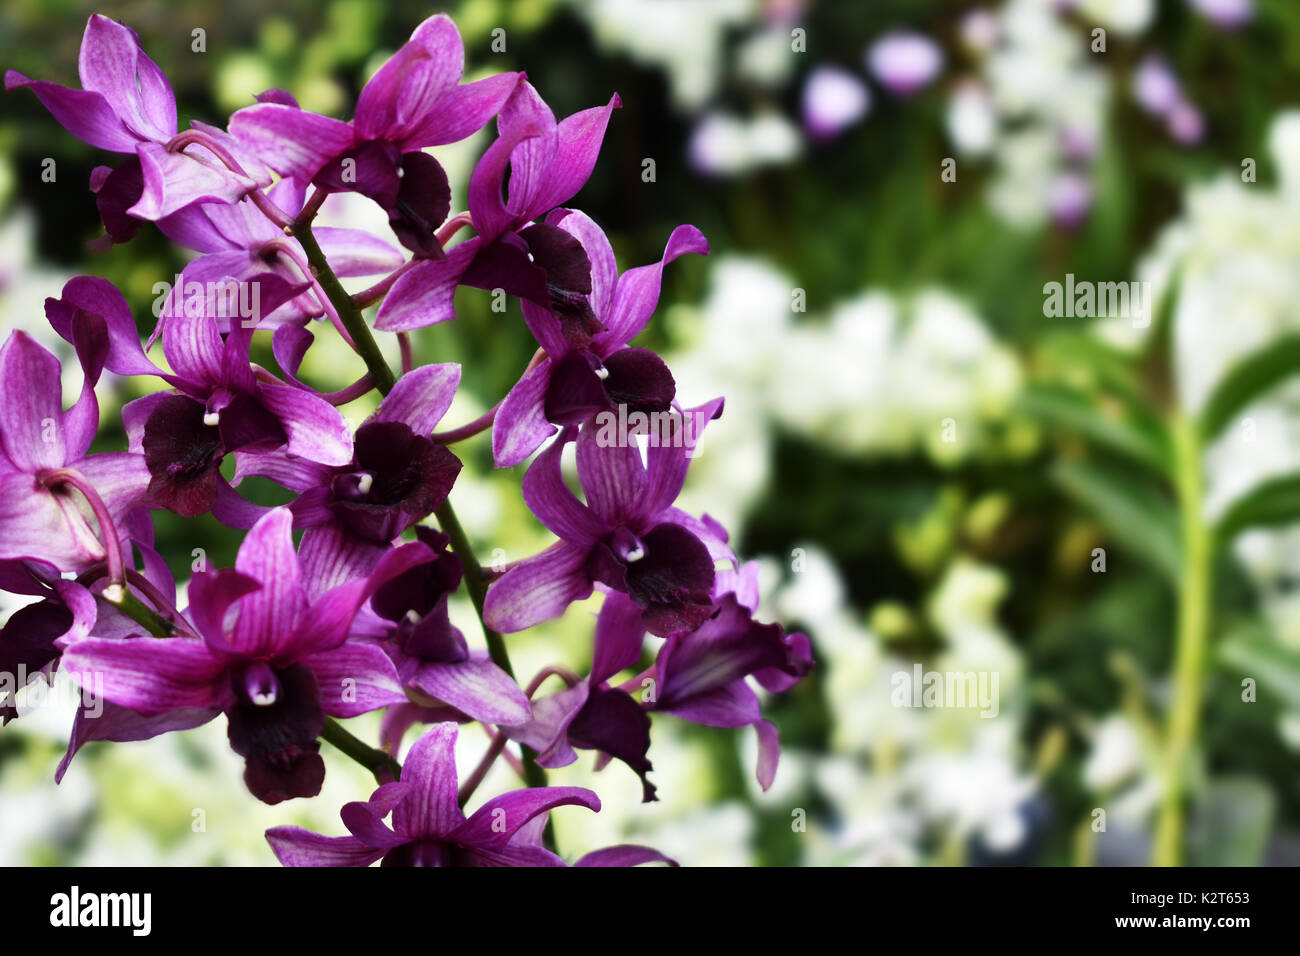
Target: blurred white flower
972	119
1127	17
726	145
1115	756
765	58
684	37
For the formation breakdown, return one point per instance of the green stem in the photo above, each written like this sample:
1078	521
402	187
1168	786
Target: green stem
348	312
138	611
1190	652
382	765
534	775
355	323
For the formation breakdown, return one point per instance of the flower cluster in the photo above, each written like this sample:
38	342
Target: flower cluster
354	618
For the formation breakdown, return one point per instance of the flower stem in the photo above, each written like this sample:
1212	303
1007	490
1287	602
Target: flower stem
480	424
383	766
347	310
138	611
1190	651
378	761
533	774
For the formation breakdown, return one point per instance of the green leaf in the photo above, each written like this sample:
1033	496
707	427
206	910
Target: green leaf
1230	823
1135	514
1273	502
1256	654
1126	430
1247	380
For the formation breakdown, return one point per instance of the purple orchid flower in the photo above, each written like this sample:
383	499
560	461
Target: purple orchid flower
409	618
415	100
549	162
591	715
627	536
273	662
429	828
700	675
395	475
99	719
583	374
50	488
127	106
220	403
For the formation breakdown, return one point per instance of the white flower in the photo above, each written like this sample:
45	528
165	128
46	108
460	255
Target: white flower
1115	756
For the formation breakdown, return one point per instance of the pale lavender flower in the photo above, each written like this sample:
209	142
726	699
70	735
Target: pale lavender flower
833	100
905	62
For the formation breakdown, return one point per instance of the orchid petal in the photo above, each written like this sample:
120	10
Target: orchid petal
355	679
420	398
637	292
477	687
149	675
520	425
489	829
537	589
291	141
294	846
431	809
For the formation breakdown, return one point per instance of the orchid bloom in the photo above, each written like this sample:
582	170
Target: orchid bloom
51	489
220	405
413	101
276	672
127	106
700	675
430	829
549	162
434	663
395	475
591	715
585	374
627	536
